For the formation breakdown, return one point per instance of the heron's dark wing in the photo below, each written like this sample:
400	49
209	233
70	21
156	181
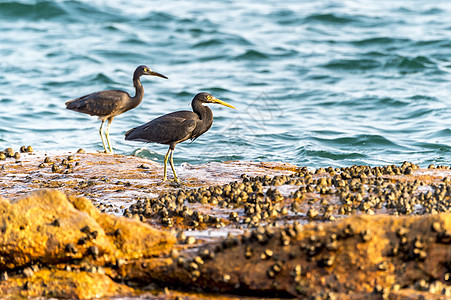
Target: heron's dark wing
171	128
101	103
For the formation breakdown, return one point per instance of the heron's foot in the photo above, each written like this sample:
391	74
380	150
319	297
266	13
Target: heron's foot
175	183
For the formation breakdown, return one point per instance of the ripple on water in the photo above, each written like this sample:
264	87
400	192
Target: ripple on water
158	17
39	10
320	82
410	64
358	65
377	42
336	156
251	55
359	140
330	18
99	78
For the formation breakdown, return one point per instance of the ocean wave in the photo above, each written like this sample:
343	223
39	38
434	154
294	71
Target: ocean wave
216	89
442	133
381	41
441	43
6	100
68	11
389	102
224	40
331	155
159	17
403	64
251	55
33	11
352	64
98	79
426	98
434	146
359	140
410	64
146	153
285	17
330	18
416	114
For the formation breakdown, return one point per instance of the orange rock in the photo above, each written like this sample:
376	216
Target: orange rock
360	262
57	231
41	226
63	284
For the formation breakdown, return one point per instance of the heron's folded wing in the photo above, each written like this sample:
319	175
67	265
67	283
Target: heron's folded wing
101	103
164	130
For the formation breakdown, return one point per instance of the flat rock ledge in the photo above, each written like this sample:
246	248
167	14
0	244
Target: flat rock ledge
54	245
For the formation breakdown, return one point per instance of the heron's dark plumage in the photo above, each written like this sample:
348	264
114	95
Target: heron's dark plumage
109	104
102	104
177	127
163	130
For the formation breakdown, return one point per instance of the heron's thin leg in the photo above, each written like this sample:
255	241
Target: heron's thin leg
166	164
107	134
101	135
171	161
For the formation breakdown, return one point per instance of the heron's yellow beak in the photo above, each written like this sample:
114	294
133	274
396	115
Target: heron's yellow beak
216	100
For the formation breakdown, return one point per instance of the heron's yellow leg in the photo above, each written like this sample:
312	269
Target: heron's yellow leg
165	177
101	135
107	134
171	161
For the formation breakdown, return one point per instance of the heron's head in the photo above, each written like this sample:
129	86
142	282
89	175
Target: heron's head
207	98
145	70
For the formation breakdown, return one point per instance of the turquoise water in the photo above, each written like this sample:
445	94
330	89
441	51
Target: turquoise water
315	83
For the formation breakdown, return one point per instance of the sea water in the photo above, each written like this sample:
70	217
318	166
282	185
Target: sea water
315	83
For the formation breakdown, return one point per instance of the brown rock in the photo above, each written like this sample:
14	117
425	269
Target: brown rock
352	268
63	284
28	234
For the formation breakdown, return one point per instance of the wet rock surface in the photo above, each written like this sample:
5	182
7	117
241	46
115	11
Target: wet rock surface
114	182
235	228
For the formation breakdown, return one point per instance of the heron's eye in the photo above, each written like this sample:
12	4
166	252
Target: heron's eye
145	70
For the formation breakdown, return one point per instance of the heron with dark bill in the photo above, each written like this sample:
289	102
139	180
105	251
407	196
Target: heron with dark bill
109	104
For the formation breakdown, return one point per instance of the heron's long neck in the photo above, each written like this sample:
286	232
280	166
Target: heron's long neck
139	92
205	115
203	112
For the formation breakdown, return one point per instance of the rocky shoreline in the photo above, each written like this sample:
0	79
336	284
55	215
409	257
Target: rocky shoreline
234	229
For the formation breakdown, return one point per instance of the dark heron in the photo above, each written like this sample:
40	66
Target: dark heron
109	104
177	127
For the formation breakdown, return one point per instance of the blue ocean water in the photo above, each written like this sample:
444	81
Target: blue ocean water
315	83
